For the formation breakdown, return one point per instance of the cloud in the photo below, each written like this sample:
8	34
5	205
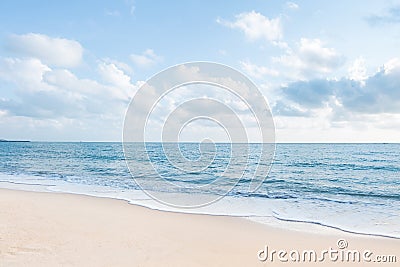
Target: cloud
289	110
358	71
310	58
42	98
392	16
146	59
257	71
291	5
191	101
44	93
58	52
310	94
391	66
113	75
256	26
378	95
121	65
25	74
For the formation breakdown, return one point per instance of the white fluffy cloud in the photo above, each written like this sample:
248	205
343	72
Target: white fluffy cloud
43	103
310	59
42	92
146	59
113	75
58	52
26	74
392	66
358	70
256	26
120	65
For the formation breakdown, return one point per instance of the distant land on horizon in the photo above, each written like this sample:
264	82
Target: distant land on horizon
3	140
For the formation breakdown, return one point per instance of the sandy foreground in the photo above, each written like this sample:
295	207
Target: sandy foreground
53	229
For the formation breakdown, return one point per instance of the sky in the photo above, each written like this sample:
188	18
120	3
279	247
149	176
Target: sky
330	70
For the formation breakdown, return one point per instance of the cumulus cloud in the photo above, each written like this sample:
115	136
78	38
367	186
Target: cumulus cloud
26	74
120	65
391	66
52	51
256	26
44	99
358	71
310	58
146	59
256	71
379	94
42	92
113	75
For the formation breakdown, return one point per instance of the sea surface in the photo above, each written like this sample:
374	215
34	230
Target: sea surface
352	187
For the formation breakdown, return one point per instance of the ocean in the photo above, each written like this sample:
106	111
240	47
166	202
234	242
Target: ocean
352	187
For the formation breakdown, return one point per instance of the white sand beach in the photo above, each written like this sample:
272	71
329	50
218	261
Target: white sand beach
53	229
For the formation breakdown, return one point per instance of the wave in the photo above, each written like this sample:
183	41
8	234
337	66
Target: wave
335	227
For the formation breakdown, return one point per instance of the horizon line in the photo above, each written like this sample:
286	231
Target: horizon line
292	142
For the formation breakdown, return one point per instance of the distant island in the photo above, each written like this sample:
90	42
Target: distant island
21	141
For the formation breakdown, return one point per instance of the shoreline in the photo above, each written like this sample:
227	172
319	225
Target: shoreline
47	229
299	225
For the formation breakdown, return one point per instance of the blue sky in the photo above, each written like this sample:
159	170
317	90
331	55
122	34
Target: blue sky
329	69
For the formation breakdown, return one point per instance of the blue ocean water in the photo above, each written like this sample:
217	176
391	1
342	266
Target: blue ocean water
353	187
